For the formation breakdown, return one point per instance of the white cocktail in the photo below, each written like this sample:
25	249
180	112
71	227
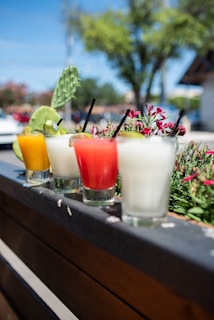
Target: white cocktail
63	164
145	166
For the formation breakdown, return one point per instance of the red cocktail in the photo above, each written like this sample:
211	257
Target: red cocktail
97	160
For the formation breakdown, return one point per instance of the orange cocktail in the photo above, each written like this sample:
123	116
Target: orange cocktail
35	156
97	160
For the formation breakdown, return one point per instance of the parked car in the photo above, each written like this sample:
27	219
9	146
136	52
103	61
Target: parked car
8	128
80	116
21	117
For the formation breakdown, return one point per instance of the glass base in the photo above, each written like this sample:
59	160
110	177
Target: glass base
37	177
137	221
98	198
66	185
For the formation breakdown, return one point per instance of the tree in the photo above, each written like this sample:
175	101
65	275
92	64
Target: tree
137	41
181	102
203	12
12	93
104	94
44	98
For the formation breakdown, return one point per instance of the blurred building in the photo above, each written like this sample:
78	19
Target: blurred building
201	73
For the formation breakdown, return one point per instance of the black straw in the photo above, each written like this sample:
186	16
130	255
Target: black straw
121	123
88	115
60	120
181	114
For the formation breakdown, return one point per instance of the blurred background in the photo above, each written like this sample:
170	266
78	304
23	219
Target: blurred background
128	52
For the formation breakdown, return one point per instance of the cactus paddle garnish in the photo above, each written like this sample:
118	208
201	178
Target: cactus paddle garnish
46	119
66	87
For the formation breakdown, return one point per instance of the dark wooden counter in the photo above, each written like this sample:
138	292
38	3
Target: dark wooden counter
99	267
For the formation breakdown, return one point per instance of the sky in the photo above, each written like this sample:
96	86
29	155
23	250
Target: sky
33	47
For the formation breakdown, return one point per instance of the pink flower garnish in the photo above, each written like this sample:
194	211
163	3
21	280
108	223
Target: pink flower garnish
189	178
160	112
149	108
208	182
146	131
139	124
159	125
133	114
168	125
210	152
94	130
181	130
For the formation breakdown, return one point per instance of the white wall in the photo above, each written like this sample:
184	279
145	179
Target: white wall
207	103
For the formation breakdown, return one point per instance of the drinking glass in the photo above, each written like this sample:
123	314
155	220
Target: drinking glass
35	157
145	166
97	160
66	175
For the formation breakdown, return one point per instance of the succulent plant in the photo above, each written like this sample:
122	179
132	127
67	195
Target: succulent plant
66	87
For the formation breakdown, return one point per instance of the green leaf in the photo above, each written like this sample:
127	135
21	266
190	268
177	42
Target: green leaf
184	203
180	210
191	216
196	210
66	87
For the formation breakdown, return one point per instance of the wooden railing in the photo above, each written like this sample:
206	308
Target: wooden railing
93	265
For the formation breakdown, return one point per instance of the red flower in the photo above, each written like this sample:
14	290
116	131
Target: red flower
210	152
149	108
189	178
168	125
94	130
208	182
139	124
160	112
133	114
146	131
181	130
159	125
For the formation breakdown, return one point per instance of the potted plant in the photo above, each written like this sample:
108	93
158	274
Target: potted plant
192	184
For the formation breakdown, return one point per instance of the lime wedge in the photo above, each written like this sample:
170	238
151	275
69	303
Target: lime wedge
51	128
79	135
131	134
17	150
41	115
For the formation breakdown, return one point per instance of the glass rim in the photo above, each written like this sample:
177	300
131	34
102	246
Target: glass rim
33	133
154	138
93	137
60	136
